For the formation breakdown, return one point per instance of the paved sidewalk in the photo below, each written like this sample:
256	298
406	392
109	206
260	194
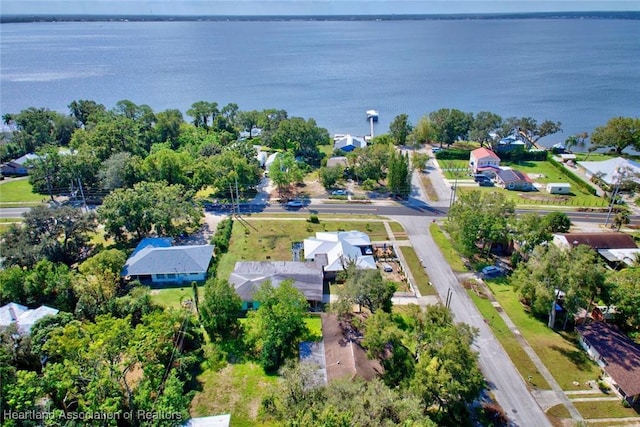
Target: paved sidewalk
559	393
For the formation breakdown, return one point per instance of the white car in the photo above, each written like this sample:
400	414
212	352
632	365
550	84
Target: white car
339	193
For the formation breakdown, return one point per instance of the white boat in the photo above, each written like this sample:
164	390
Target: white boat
372	115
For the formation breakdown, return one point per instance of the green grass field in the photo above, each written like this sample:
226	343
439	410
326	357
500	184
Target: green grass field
173	297
18	192
237	389
605	409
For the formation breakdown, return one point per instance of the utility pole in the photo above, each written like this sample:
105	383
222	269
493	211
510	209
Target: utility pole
233	209
237	195
615	194
84	201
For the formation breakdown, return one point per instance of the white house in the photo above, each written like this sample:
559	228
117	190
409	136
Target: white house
613	171
23	317
155	260
336	249
348	143
483	159
559	188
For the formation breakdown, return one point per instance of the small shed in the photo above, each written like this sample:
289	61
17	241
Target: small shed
559	188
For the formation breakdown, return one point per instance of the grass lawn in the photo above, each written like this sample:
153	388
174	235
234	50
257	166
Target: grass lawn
605	409
237	389
271	239
455	169
518	356
18	192
314	323
559	351
173	297
421	277
449	253
11	220
542	198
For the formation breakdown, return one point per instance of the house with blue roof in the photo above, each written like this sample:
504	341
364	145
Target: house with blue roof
156	261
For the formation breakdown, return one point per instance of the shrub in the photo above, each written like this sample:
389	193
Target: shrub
369	184
314	219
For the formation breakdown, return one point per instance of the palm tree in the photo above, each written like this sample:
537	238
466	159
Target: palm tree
621	218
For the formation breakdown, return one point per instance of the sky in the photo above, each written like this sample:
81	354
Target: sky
305	7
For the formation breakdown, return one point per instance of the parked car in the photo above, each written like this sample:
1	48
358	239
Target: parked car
491	270
435	149
294	204
486	183
387	268
338	193
480	177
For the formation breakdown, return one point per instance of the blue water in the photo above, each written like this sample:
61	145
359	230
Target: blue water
579	72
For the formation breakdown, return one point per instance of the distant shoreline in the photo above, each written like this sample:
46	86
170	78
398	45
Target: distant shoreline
630	15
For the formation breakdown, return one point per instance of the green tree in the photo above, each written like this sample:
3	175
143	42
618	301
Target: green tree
436	363
113	135
119	170
449	125
284	172
400	129
618	134
424	131
277	326
59	235
557	222
249	120
86	111
330	176
200	112
625	295
576	140
399	175
168	210
530	128
366	288
167	165
483	124
300	136
220	309
168	125
36	127
479	219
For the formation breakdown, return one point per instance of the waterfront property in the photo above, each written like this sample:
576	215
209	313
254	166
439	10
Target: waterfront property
348	143
616	354
613	171
156	261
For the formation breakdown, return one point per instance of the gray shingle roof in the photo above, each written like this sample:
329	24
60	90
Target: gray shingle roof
247	276
168	260
24	317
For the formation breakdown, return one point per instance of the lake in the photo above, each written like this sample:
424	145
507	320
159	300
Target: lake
581	72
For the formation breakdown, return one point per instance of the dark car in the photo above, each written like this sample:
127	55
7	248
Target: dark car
491	271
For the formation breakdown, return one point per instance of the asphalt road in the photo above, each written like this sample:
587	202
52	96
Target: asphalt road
504	380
